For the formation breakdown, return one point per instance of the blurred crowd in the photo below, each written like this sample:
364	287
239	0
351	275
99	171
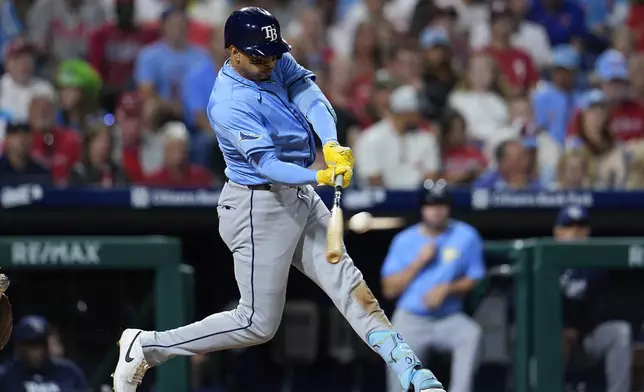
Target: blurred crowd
501	94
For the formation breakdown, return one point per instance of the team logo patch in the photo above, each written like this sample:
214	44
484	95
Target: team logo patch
248	136
450	254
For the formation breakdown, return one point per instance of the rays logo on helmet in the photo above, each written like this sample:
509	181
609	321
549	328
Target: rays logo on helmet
271	32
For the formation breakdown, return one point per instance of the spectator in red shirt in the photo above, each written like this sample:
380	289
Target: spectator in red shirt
462	162
56	148
113	49
178	171
635	21
518	72
626	114
97	167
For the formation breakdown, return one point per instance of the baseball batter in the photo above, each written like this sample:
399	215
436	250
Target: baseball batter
269	215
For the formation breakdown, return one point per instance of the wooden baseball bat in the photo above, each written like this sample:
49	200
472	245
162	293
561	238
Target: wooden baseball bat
335	230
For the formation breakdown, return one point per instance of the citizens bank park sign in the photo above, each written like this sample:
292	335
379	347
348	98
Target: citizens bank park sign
55	253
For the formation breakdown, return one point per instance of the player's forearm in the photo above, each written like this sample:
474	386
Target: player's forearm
394	285
283	172
462	286
311	102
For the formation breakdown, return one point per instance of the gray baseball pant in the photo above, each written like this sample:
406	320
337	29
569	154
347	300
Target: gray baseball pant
611	340
267	232
458	334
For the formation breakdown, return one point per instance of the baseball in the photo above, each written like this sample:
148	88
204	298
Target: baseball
360	222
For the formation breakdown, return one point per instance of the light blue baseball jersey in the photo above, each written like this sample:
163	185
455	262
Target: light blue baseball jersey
459	254
251	117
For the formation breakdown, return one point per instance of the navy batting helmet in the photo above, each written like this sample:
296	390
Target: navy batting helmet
256	32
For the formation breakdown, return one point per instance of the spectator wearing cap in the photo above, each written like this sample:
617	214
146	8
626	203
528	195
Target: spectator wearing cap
594	329
16	165
97	167
543	150
33	368
113	48
513	169
528	36
79	86
626	114
139	150
18	84
563	20
61	29
592	135
462	162
439	75
177	171
55	147
518	74
395	153
13	15
429	268
428	16
554	102
478	100
161	67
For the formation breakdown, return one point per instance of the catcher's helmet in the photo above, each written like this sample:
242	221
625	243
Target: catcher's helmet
256	32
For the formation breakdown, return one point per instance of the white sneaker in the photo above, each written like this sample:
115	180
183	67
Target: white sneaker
131	366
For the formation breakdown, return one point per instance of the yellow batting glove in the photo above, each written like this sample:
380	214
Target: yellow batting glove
327	176
336	155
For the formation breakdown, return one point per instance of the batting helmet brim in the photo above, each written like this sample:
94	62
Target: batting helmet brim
270	49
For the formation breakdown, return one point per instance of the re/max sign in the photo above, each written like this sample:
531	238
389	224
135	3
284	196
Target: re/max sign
55	253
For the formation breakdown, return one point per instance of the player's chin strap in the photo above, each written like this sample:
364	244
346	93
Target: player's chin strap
391	346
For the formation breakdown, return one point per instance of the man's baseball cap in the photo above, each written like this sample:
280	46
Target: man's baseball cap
572	216
593	98
565	56
404	99
434	193
31	328
499	9
611	65
13	128
131	104
434	36
20	46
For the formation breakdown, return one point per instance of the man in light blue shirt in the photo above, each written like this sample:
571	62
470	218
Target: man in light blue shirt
430	266
197	86
161	67
554	102
265	109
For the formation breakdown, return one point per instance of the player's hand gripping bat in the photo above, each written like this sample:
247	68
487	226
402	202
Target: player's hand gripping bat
335	230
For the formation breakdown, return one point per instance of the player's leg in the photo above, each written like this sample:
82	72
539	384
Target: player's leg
417	331
344	284
612	340
262	229
460	335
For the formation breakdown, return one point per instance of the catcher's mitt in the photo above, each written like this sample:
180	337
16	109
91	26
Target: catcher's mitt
6	313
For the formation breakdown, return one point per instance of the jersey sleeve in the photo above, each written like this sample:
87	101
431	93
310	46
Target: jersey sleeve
396	259
474	255
292	71
144	68
240	125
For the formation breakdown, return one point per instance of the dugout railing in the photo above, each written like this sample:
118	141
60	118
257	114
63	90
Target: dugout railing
172	297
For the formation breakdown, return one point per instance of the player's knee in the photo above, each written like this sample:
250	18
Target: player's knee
264	332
